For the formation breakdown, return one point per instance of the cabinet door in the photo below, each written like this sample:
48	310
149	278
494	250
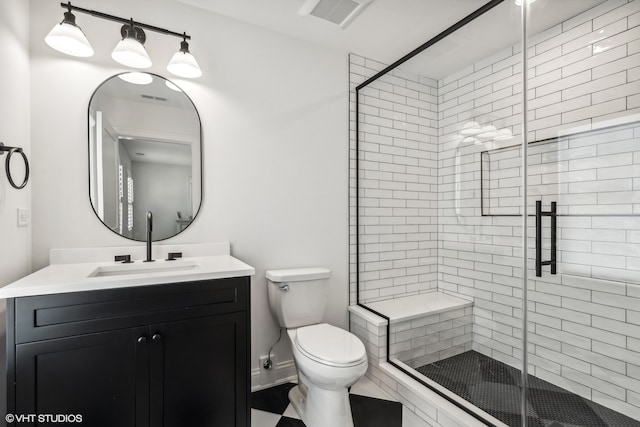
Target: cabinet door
199	374
103	377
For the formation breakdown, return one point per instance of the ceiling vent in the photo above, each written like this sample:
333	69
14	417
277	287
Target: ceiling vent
338	12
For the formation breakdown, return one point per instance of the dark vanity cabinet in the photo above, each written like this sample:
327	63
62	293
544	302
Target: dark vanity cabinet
162	355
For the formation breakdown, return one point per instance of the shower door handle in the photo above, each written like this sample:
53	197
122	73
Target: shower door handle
539	214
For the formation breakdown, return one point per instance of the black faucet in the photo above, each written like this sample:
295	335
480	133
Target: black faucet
149	230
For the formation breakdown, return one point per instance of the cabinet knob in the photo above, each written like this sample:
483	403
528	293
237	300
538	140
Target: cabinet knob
156	337
142	339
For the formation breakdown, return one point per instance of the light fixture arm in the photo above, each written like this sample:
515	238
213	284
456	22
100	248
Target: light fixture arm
130	21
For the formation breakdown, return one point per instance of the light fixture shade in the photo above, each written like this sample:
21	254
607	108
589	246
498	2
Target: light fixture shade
67	37
184	64
131	53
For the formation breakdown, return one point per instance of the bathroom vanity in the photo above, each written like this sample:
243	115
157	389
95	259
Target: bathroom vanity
165	348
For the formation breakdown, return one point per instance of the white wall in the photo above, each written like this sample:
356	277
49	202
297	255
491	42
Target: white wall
15	242
15	250
275	155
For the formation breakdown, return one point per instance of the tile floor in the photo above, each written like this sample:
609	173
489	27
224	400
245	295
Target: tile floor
494	387
370	405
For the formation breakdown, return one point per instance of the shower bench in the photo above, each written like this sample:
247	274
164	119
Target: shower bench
425	328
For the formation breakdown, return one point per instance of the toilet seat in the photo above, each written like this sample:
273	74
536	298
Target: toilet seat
329	345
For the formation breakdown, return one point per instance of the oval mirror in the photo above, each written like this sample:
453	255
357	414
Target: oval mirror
144	155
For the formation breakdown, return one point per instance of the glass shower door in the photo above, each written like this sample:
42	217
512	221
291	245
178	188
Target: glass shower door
583	224
452	205
437	257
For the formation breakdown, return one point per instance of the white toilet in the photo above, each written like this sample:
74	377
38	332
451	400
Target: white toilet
329	359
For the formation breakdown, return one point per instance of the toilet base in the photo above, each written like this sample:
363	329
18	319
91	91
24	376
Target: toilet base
322	408
298	400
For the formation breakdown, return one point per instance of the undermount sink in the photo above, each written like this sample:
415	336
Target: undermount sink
144	268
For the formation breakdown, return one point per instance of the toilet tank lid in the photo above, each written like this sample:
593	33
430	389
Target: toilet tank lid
298	274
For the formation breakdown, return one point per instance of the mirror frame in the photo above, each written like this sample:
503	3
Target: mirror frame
89	160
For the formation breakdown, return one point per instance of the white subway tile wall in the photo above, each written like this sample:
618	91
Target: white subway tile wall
398	182
421	223
433	337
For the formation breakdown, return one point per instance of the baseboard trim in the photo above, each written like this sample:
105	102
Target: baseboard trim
280	373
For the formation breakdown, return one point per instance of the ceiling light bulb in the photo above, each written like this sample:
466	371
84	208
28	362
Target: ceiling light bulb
130	50
136	78
183	63
67	37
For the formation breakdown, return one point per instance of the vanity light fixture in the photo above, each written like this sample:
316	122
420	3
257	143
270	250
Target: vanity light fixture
130	50
183	63
68	38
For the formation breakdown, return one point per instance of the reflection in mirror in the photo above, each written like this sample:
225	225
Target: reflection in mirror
144	155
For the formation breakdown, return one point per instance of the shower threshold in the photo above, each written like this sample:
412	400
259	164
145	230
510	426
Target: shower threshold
494	387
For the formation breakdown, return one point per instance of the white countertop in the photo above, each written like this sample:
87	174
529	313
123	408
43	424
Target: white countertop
87	276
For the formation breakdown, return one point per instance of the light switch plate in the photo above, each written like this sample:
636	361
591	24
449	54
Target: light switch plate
23	217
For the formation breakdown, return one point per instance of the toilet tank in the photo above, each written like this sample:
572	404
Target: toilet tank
297	297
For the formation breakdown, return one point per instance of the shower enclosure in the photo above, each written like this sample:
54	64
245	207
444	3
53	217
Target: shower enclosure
496	211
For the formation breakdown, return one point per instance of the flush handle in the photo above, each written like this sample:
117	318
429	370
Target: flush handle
284	288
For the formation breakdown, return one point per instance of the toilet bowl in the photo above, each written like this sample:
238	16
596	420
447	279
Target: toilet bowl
329	360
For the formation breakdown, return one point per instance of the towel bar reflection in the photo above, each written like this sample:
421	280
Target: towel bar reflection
539	215
7	164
